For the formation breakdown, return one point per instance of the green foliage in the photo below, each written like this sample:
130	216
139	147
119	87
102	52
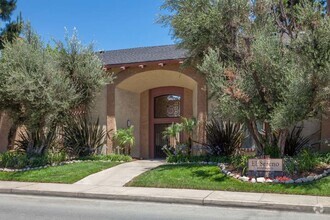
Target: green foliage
272	151
173	131
108	157
83	68
265	61
240	162
11	30
189	125
124	137
33	90
295	142
36	142
306	161
18	160
324	158
56	157
180	158
224	138
82	137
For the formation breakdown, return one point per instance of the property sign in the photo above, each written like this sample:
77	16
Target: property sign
265	164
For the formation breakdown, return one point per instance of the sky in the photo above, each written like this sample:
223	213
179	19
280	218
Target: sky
109	24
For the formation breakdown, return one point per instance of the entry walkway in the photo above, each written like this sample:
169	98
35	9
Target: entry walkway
121	174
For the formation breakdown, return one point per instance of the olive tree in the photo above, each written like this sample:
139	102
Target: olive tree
267	62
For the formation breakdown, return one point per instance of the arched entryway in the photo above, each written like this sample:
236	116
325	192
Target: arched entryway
132	99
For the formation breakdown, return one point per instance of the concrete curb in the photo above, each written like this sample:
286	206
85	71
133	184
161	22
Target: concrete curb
176	200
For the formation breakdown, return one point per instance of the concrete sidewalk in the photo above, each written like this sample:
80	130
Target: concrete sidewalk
121	174
182	196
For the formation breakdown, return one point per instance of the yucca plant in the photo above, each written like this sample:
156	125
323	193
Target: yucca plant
36	142
224	137
82	137
295	142
124	137
189	125
172	132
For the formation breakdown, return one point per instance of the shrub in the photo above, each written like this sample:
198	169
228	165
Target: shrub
124	137
17	160
81	137
306	161
290	165
109	157
323	158
56	157
36	142
224	138
272	151
295	142
12	159
240	162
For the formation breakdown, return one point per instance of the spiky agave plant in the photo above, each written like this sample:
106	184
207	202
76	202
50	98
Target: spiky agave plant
83	137
224	137
295	142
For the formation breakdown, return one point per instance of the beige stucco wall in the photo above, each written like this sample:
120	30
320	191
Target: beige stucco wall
99	110
156	78
325	133
128	108
144	124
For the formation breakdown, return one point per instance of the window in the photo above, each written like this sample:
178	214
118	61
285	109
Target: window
167	106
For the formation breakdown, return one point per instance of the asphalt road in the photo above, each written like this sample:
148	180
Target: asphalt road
32	207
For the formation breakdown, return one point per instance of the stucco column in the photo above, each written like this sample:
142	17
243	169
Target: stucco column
201	111
111	120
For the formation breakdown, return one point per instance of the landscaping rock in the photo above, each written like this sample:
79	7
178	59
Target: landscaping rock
289	181
276	181
244	178
298	181
261	180
310	178
231	174
269	181
304	180
253	180
237	176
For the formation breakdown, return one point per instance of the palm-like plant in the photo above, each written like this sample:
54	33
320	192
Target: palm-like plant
125	139
172	132
36	142
295	142
82	137
189	125
224	138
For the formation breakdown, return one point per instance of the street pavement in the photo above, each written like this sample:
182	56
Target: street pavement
179	196
109	185
27	207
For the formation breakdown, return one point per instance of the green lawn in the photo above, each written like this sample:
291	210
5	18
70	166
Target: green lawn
209	178
68	173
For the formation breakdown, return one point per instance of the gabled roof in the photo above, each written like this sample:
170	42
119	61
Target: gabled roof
142	54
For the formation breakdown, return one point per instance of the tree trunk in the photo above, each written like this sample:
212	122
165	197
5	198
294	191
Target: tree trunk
253	130
11	136
281	140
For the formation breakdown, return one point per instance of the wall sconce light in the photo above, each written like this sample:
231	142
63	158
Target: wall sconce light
128	123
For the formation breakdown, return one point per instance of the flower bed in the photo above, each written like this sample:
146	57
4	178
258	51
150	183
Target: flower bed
280	179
